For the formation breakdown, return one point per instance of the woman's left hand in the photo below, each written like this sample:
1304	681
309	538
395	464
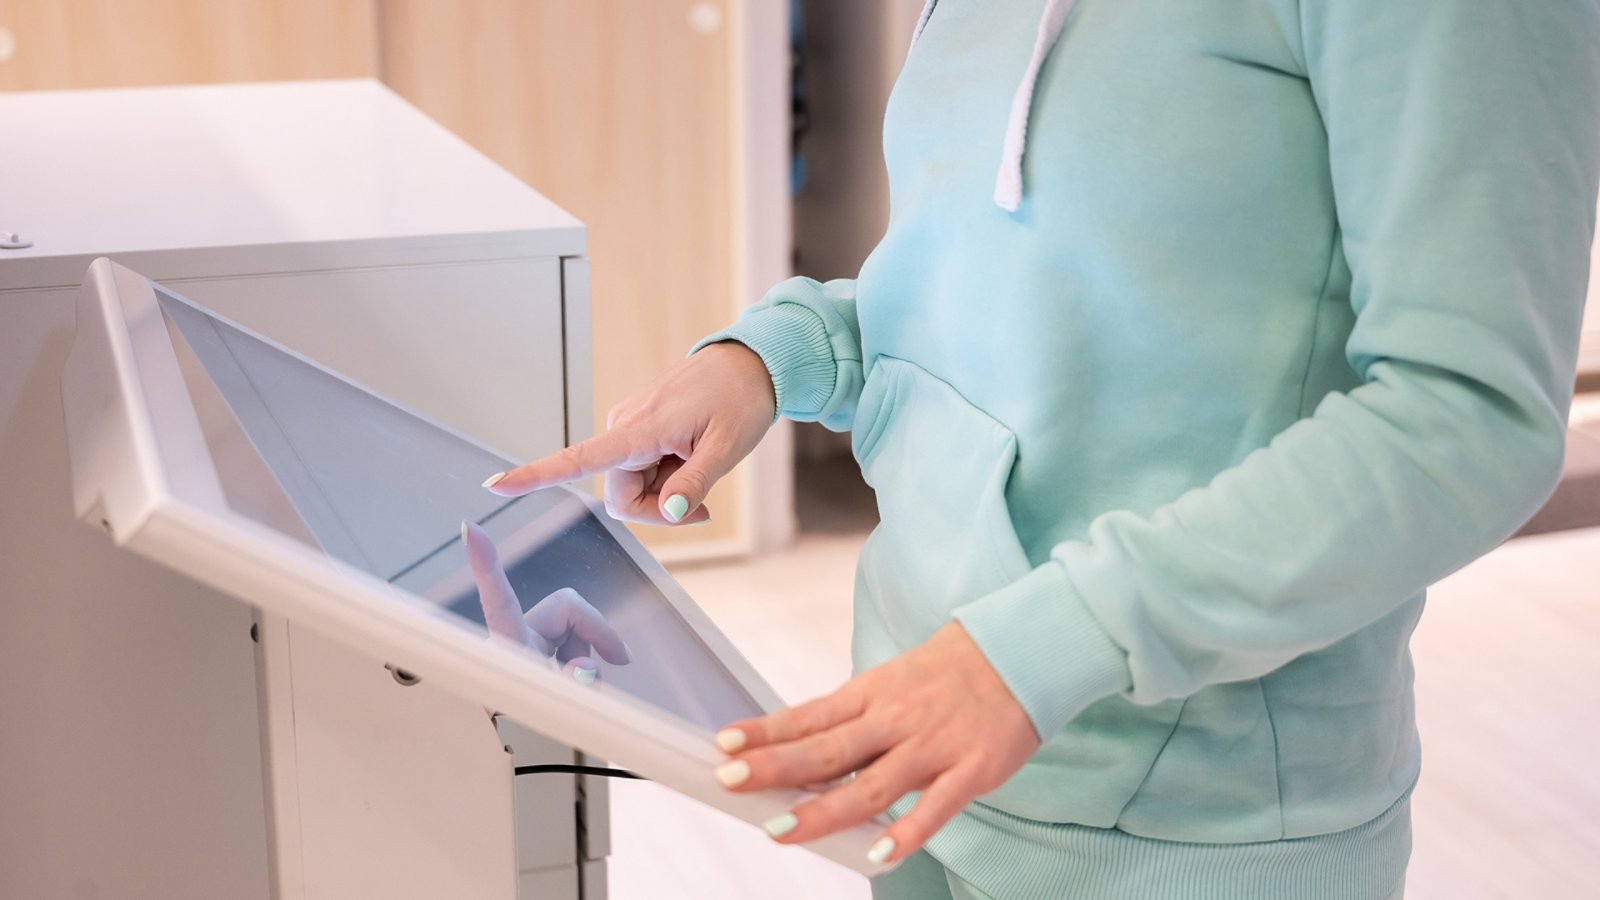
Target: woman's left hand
935	719
563	626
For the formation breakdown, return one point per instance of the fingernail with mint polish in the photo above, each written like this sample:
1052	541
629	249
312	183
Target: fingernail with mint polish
733	773
881	850
778	826
731	740
676	507
584	676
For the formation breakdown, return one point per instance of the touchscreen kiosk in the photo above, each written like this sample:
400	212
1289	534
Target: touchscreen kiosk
221	454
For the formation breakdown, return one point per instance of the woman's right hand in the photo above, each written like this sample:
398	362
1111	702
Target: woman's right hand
665	446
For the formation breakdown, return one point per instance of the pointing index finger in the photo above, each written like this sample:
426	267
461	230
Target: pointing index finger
502	611
581	460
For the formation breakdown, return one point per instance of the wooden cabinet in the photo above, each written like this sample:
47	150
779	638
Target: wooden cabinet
117	43
628	115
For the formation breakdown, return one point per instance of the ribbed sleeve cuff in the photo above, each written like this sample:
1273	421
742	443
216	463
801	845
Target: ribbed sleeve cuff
1047	646
792	342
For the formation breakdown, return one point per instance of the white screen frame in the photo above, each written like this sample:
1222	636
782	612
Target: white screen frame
142	470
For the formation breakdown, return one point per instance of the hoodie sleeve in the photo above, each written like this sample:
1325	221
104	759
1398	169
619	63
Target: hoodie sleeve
1462	139
806	333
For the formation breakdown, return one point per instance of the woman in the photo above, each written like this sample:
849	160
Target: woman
1202	338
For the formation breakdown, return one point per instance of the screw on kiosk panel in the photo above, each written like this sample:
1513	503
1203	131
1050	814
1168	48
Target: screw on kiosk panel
401	676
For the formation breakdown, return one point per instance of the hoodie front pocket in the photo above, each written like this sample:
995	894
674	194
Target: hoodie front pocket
939	466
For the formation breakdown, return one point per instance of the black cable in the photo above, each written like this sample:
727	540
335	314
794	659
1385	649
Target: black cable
576	770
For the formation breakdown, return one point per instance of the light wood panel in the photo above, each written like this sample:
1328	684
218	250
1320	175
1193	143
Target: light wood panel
629	113
622	111
119	43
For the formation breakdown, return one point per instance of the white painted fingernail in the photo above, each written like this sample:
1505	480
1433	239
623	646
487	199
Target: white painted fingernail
628	652
881	850
463	531
731	740
584	676
733	773
778	826
675	508
494	479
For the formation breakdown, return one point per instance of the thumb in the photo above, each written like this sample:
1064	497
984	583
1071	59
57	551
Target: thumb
685	489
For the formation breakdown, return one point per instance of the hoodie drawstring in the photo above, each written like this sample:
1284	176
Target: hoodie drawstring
1008	182
922	21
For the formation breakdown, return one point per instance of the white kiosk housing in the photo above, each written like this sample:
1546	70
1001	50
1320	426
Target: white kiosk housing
247	649
139	756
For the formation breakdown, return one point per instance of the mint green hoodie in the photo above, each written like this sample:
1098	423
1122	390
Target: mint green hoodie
1282	329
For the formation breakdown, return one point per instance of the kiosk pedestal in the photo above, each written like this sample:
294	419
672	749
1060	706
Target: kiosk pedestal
161	738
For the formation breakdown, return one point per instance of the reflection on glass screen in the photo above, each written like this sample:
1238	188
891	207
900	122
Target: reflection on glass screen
376	487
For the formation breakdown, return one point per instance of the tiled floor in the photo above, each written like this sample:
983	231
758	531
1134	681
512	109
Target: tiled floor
1508	661
1508	702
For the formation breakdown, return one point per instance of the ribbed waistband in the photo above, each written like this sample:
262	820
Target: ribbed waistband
1012	858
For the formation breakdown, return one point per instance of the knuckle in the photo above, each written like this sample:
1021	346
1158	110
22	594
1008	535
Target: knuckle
565	595
570	455
910	832
808	718
768	730
872	791
797	720
647	405
855	694
765	768
950	793
976	777
628	412
830	752
876	797
622	485
755	733
694	481
898	714
981	761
